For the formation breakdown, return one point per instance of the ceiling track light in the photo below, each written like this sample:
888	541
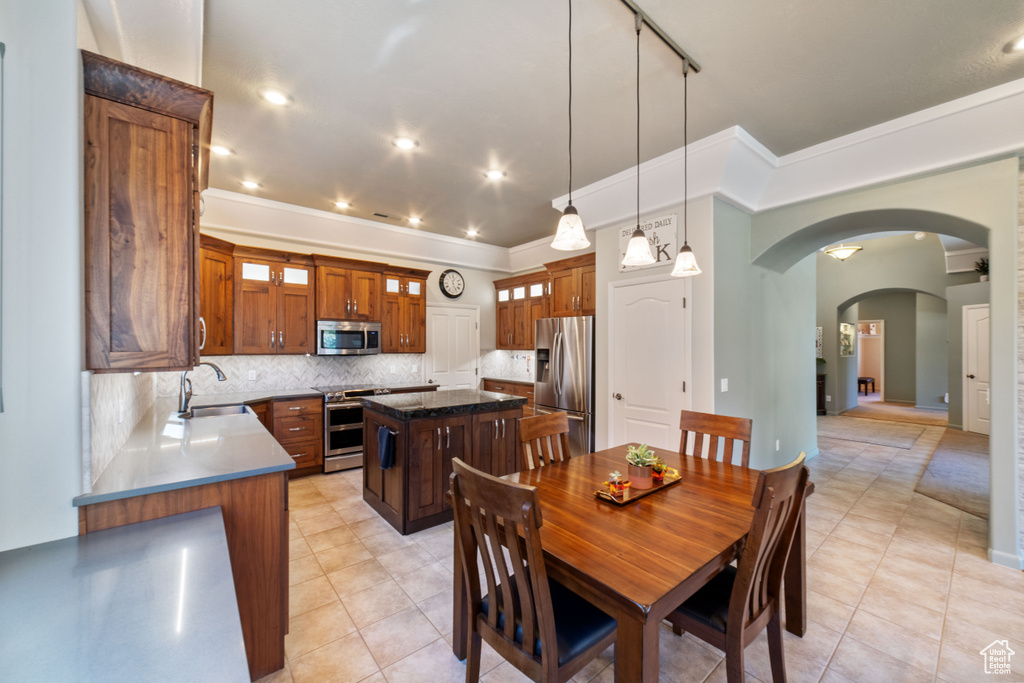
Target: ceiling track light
571	234
843	251
638	249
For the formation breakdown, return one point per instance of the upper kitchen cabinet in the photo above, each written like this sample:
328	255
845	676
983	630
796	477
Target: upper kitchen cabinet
520	301
573	286
404	327
216	296
274	302
147	141
348	289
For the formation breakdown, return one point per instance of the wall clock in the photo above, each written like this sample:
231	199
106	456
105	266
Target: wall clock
451	283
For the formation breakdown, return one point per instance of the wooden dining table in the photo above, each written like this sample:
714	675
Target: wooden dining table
639	561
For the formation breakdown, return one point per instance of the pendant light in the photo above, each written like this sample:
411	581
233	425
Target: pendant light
843	251
571	234
686	262
638	250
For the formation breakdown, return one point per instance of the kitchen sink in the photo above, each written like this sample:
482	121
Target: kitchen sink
217	411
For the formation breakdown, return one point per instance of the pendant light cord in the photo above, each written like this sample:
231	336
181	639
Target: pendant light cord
570	101
686	150
639	25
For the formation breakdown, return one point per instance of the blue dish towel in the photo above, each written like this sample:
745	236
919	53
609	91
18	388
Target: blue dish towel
386	448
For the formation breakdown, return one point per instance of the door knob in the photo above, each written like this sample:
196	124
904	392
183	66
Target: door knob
617	397
970	376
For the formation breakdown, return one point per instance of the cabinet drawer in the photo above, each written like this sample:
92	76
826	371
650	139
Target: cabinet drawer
298	406
305	453
297	428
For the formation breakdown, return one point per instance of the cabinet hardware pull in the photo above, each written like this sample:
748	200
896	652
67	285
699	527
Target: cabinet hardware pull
355	308
348	306
280	339
202	326
299	455
438	438
448	433
503	428
295	429
271	339
273	277
495	429
294	407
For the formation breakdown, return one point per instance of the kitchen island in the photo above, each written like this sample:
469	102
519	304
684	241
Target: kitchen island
428	430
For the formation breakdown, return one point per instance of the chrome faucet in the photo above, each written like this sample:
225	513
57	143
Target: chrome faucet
185	392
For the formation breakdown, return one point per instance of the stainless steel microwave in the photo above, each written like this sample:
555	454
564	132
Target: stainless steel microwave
347	338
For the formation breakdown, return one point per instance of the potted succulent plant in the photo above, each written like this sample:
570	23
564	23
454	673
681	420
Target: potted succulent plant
981	267
641	461
616	484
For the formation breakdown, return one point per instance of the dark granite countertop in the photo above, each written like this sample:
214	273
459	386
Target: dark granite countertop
441	403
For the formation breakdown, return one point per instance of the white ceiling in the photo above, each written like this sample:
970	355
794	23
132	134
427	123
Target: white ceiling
483	85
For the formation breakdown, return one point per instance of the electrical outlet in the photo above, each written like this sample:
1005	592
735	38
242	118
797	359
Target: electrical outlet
776	444
252	375
828	399
392	369
725	385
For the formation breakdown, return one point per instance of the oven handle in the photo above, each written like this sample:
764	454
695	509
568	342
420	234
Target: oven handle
346	428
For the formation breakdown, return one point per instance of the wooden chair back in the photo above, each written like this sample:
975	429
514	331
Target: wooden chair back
716	437
544	439
778	500
499	522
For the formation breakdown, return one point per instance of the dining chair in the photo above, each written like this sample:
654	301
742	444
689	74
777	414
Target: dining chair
719	432
739	602
544	439
541	627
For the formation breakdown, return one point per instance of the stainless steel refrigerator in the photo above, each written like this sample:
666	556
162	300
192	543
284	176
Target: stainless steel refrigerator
564	375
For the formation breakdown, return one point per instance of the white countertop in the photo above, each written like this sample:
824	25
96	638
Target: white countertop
153	601
165	452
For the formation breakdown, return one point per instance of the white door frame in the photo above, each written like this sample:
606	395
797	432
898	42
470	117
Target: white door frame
687	342
881	338
964	401
476	337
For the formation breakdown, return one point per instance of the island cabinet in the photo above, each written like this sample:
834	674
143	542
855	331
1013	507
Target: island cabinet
216	296
514	387
348	289
429	430
573	286
274	302
146	140
404	324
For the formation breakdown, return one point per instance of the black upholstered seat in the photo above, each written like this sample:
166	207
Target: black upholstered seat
710	605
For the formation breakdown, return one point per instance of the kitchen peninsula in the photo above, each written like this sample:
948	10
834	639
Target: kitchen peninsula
426	431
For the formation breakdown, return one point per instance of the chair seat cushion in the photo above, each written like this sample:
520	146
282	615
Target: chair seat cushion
578	624
710	605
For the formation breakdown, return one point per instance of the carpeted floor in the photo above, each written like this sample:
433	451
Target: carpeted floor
872	408
958	472
898	435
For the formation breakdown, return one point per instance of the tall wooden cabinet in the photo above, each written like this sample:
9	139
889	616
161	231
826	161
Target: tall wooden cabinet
404	324
147	143
573	286
216	296
347	289
274	302
520	301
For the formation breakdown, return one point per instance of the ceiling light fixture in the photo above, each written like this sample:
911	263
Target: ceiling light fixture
571	235
251	184
413	220
686	262
495	174
275	97
342	205
404	143
1015	45
843	251
221	150
920	236
472	232
638	250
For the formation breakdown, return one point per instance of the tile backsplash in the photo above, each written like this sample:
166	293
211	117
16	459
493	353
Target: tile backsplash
117	401
294	372
516	365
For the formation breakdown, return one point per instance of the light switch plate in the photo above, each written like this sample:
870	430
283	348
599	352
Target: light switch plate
252	375
725	384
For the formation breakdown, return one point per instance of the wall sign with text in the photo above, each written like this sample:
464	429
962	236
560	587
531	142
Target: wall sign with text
661	235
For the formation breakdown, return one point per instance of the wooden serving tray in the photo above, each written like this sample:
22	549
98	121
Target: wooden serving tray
631	494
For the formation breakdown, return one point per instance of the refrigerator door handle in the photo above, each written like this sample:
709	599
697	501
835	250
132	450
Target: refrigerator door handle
556	362
577	418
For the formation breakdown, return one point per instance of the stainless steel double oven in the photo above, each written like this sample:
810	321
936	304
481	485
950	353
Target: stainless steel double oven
343	426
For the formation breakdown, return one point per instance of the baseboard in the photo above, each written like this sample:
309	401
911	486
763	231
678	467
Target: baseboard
813	453
1013	561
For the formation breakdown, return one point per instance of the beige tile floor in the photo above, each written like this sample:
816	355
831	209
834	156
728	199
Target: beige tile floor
899	588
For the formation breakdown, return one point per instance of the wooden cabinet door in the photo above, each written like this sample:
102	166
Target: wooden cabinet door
365	291
485	432
506	455
139	239
262	410
536	308
387	484
458	443
333	293
255	307
391	325
563	293
216	297
296	327
503	329
415	317
426	468
587	301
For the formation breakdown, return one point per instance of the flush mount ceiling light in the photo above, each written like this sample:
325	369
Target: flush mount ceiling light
843	251
251	184
472	232
686	262
571	235
495	174
342	205
275	96
221	150
404	143
1016	45
413	220
638	250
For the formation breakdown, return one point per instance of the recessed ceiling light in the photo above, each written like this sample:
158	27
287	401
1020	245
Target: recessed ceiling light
495	174
1016	45
472	232
919	236
275	96
222	150
250	184
413	220
342	205
404	143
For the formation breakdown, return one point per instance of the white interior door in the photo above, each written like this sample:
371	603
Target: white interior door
976	368
650	362
453	346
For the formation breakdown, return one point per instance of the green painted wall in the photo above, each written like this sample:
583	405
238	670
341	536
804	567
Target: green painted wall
899	311
957	297
932	356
